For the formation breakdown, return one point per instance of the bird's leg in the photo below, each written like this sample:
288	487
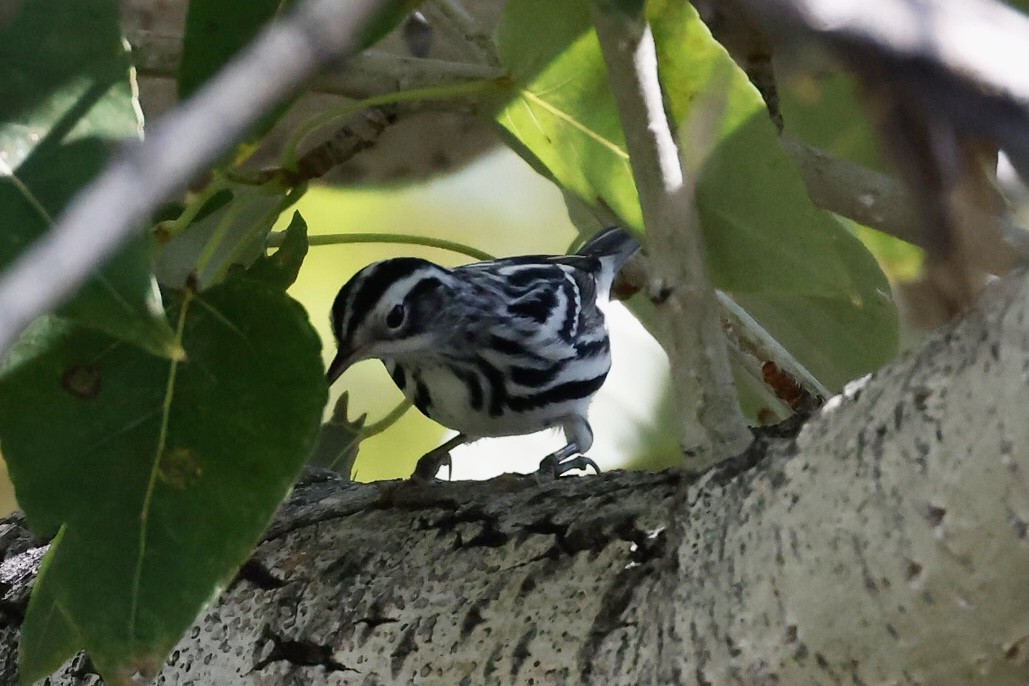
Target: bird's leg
429	463
580	438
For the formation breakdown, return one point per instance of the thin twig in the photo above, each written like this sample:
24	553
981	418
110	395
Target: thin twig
180	146
758	342
713	427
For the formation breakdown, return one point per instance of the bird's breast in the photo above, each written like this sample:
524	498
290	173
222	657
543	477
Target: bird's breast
485	397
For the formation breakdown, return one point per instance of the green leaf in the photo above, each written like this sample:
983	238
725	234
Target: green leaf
525	49
162	473
215	30
67	96
37	337
766	241
565	115
796	269
230	236
339	439
281	268
825	110
47	639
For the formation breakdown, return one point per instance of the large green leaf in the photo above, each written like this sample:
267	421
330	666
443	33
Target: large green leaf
796	269
795	266
562	111
67	96
161	474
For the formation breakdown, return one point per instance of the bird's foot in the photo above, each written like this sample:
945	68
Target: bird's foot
553	466
429	465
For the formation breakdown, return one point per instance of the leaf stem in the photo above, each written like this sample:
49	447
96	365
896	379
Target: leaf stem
389	420
155	469
275	239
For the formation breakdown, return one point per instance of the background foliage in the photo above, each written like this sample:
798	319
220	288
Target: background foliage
155	421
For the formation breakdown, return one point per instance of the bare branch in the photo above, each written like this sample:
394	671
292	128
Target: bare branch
111	208
713	427
370	73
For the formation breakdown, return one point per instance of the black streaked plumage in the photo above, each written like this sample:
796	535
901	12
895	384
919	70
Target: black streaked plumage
494	348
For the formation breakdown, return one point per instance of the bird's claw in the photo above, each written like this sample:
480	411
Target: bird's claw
429	465
554	467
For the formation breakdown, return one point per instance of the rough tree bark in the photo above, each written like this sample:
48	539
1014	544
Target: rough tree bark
884	543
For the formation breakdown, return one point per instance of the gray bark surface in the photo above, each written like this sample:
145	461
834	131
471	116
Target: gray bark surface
885	543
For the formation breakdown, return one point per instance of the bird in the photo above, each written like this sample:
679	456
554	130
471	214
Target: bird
503	347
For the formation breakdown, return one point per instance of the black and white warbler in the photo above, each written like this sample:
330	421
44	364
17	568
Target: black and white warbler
497	348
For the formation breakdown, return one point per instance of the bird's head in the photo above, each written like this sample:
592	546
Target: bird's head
389	309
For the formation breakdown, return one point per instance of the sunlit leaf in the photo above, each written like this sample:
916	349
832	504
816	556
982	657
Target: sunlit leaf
796	266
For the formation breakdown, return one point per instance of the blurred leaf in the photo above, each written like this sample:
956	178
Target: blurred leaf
34	340
281	268
123	300
339	439
825	111
521	28
902	261
796	264
67	96
1021	5
162	473
58	77
796	269
215	31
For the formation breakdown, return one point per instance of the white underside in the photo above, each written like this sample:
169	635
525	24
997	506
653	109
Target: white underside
451	407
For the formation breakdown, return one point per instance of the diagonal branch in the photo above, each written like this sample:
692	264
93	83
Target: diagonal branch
712	424
143	176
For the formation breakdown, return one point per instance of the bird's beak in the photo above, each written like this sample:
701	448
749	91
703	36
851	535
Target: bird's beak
341	363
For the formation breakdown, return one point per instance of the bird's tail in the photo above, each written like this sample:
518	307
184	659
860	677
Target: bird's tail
613	247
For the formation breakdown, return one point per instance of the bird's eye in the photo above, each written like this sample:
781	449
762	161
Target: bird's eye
395	317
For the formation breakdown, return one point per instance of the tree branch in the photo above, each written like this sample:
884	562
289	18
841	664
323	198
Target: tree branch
713	427
880	202
180	146
886	543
